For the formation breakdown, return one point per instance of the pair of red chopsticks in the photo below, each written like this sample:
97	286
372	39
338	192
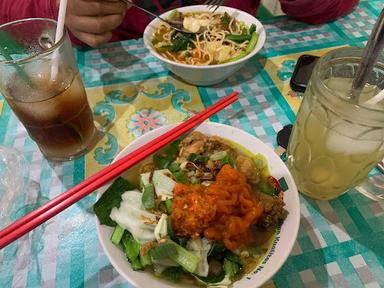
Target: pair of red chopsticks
64	200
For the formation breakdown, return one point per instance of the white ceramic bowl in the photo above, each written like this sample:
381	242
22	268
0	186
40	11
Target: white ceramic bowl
282	244
207	74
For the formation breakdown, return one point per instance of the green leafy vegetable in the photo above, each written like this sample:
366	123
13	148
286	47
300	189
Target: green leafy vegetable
229	255
131	250
111	198
117	234
238	38
170	231
145	260
198	159
251	46
164	48
270	186
232	264
184	258
252	29
225	20
210	279
163	251
172	273
231	268
164	158
149	199
180	42
216	248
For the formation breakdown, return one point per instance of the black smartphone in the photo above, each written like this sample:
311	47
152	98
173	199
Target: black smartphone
302	72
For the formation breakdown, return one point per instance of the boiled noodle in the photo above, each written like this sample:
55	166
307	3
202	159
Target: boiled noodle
221	38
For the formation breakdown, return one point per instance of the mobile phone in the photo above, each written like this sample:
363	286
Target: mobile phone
302	72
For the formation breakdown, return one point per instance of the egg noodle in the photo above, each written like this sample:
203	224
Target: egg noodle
213	45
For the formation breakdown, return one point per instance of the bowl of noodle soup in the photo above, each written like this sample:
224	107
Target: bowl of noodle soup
224	42
270	246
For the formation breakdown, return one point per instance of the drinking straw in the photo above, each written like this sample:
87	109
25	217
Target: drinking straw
97	180
370	53
59	34
375	99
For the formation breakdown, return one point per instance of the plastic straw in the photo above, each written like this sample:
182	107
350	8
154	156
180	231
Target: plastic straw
64	200
58	36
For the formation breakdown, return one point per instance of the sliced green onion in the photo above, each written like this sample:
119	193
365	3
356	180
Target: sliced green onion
117	234
180	177
199	159
174	167
149	199
218	155
266	188
260	161
168	206
228	160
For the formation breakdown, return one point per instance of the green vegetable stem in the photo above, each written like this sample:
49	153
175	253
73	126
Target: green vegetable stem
251	46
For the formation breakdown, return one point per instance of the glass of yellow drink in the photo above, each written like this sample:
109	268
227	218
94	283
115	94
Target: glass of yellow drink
41	83
335	143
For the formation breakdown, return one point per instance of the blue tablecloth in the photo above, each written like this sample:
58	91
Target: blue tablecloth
340	242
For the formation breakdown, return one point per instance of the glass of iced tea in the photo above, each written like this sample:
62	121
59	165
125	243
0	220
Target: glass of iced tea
41	83
335	142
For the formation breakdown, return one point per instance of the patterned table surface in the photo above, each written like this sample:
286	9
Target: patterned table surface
340	242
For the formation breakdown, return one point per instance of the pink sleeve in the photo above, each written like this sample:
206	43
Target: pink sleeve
17	9
317	11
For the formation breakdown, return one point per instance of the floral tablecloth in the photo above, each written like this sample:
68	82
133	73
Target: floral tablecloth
340	242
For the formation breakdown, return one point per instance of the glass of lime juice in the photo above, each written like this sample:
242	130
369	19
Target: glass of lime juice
336	142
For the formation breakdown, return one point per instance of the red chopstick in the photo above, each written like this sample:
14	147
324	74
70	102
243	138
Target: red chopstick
53	207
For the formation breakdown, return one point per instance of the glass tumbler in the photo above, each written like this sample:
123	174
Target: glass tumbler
41	83
336	142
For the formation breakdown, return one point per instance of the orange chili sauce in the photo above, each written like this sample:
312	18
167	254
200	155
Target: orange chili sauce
223	211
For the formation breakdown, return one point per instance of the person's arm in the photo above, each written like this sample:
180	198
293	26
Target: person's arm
317	11
18	9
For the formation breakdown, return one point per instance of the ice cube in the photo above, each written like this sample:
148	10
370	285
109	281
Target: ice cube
351	140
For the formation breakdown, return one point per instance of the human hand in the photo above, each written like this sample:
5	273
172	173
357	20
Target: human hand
92	21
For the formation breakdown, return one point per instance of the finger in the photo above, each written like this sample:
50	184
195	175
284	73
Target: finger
94	25
96	8
93	40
